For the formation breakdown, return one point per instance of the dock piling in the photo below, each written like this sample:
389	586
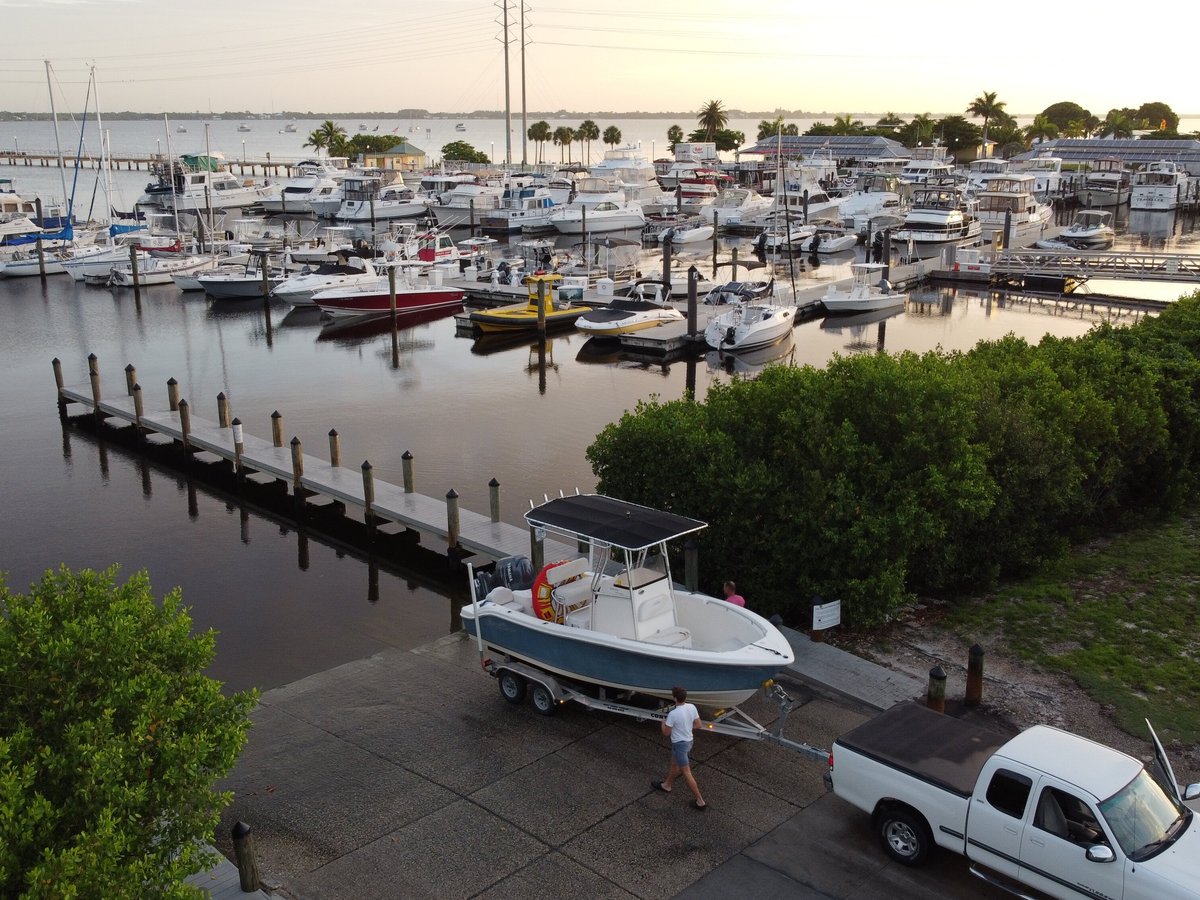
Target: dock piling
935	697
94	378
222	410
277	428
368	477
494	499
406	462
59	384
335	448
239	447
133	265
243	852
138	409
130	378
185	421
297	469
974	676
172	394
452	518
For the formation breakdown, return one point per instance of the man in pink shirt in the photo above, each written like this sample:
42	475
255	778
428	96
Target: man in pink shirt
732	595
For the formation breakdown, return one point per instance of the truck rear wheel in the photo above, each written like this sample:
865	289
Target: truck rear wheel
905	836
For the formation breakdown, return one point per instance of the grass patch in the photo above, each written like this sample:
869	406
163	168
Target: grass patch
1120	617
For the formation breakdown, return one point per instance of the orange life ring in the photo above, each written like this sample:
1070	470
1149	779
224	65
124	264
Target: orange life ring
542	589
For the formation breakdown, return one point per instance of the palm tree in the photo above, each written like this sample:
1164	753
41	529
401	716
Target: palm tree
769	129
335	135
587	132
712	118
563	137
540	133
674	136
1042	129
612	136
846	125
1117	125
986	107
317	141
1076	128
922	128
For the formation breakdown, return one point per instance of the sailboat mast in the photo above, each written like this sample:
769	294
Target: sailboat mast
524	107
208	182
507	101
174	198
105	154
62	166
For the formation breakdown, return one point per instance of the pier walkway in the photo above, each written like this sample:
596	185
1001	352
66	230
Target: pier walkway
308	475
1077	264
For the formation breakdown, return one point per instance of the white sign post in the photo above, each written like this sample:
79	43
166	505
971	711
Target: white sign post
827	615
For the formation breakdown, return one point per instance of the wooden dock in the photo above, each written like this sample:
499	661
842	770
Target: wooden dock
466	533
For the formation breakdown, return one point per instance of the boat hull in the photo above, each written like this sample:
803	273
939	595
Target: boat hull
374	303
724	333
622	664
494	321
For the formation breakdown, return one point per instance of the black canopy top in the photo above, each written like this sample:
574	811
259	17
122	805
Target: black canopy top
615	522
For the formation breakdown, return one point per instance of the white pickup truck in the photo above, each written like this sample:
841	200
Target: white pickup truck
1045	812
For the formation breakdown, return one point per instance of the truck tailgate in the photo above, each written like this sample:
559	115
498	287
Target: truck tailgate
933	747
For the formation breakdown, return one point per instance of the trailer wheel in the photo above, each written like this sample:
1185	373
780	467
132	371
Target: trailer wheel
543	700
512	687
905	836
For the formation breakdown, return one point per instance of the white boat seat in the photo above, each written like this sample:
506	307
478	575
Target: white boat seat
675	636
567	596
521	601
568	570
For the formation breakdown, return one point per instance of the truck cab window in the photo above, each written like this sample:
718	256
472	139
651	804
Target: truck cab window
1009	792
1068	817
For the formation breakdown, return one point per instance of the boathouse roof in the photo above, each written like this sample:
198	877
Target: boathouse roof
840	146
1132	151
404	148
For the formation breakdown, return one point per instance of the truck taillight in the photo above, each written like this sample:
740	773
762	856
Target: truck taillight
830	759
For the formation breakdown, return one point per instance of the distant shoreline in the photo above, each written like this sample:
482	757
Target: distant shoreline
687	115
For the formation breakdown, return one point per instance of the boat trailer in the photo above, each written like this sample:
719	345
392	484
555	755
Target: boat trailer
548	692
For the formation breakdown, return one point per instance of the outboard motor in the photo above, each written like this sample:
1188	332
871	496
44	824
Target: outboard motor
483	585
730	335
885	285
514	572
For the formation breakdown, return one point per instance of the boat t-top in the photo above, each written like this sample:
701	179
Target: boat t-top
614	620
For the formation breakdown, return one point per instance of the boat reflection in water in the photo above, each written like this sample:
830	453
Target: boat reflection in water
357	330
858	324
602	350
750	362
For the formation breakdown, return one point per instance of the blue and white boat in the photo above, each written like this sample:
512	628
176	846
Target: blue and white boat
615	620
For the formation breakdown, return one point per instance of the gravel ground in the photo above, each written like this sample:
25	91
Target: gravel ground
1016	694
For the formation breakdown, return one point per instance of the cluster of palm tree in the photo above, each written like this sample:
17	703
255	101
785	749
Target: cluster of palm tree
564	136
329	136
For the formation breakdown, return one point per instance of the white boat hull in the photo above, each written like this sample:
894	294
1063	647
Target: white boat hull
749	327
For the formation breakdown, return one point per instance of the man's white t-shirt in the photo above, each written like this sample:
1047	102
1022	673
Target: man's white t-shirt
680	720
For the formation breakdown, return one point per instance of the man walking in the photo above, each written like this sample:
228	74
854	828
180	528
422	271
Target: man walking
678	727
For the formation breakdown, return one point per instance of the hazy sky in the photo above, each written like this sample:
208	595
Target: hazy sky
447	55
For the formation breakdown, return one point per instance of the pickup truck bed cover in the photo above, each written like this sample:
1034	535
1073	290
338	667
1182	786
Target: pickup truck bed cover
931	746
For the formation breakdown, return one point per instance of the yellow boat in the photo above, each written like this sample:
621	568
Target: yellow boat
524	316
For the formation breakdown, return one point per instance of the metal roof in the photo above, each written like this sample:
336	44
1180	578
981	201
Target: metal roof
1132	151
841	146
404	148
611	521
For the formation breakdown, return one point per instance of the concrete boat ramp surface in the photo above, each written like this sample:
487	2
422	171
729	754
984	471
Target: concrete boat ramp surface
406	775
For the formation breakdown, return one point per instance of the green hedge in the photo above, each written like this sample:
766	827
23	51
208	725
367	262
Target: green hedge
881	477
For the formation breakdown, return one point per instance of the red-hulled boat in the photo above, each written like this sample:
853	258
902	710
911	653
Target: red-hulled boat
413	294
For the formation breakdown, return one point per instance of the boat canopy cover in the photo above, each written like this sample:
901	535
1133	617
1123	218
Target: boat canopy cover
610	521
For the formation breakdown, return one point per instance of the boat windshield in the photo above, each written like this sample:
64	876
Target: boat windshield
1144	817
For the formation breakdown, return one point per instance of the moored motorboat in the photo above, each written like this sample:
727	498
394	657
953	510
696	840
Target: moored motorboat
869	290
413	294
543	305
243	283
938	219
1008	200
348	271
739	291
1161	185
624	315
750	325
632	631
160	270
1091	229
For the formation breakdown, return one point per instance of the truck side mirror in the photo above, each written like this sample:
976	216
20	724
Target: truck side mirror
1192	791
1099	853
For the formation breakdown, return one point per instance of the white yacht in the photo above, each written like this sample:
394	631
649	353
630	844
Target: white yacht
1009	198
1106	184
875	194
927	164
980	170
195	183
367	199
736	206
526	208
939	218
313	180
607	215
1047	174
635	174
479	196
1161	185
